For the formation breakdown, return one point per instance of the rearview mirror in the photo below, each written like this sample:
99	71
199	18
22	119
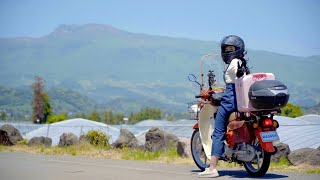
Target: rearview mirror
192	78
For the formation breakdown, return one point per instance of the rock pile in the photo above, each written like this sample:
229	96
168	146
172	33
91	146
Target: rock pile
156	139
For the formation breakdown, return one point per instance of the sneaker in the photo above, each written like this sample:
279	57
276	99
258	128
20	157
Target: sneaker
207	173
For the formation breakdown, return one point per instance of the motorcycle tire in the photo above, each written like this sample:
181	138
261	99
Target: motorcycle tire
197	151
262	170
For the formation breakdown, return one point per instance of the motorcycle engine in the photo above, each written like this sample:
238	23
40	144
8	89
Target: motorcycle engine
245	152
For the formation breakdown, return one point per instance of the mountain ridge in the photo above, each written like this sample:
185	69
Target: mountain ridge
94	59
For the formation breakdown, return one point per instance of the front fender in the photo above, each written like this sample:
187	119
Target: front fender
196	126
267	146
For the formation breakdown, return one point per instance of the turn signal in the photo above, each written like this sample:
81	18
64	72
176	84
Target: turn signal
267	123
275	124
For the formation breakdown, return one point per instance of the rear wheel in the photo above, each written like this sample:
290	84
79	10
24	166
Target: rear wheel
260	165
197	151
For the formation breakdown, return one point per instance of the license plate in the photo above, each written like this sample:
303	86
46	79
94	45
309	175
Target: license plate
269	136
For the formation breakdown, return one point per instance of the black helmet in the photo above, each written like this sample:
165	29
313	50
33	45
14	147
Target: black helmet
232	40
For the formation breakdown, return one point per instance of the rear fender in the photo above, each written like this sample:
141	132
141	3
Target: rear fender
267	146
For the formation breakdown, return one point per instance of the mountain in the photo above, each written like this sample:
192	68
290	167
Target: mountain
130	70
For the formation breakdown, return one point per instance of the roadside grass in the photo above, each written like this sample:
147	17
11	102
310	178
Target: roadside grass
313	171
282	165
169	156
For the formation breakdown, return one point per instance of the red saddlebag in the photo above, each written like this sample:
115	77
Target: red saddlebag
242	133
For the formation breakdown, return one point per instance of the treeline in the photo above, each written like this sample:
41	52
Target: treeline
112	118
44	112
291	110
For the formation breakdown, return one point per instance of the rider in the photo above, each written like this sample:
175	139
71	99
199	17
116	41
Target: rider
232	52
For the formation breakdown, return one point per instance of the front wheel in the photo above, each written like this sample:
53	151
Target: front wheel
197	151
260	165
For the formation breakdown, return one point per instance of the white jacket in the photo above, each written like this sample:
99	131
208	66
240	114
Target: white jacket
231	72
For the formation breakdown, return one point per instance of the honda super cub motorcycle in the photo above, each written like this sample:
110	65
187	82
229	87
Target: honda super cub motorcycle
251	131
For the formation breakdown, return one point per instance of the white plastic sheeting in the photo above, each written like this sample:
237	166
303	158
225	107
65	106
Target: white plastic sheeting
298	132
76	126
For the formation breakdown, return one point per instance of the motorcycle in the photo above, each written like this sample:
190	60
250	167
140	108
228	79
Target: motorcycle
250	132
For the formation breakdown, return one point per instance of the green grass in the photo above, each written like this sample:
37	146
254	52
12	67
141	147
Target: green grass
23	142
143	155
3	148
139	154
313	171
283	163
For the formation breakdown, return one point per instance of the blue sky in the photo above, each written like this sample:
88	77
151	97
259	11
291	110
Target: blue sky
283	26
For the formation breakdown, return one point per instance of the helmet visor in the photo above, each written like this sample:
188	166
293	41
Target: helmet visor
229	49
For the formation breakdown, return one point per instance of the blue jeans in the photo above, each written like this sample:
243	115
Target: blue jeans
228	105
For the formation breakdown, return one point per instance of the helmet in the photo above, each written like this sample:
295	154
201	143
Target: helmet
232	40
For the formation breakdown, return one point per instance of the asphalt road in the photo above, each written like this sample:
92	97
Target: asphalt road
34	166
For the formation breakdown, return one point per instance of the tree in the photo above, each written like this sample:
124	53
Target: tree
80	115
146	113
118	118
94	116
291	110
108	117
3	115
47	106
41	104
57	118
112	118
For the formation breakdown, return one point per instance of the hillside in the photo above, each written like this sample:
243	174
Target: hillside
18	101
130	70
312	109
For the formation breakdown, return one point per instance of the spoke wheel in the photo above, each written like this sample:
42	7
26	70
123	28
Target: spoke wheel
197	151
260	165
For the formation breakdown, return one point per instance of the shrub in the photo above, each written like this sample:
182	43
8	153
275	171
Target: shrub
57	118
98	138
291	110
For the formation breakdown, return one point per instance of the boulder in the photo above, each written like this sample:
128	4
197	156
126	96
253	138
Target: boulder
83	139
127	139
68	139
157	139
308	156
12	133
4	139
283	150
40	141
184	147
